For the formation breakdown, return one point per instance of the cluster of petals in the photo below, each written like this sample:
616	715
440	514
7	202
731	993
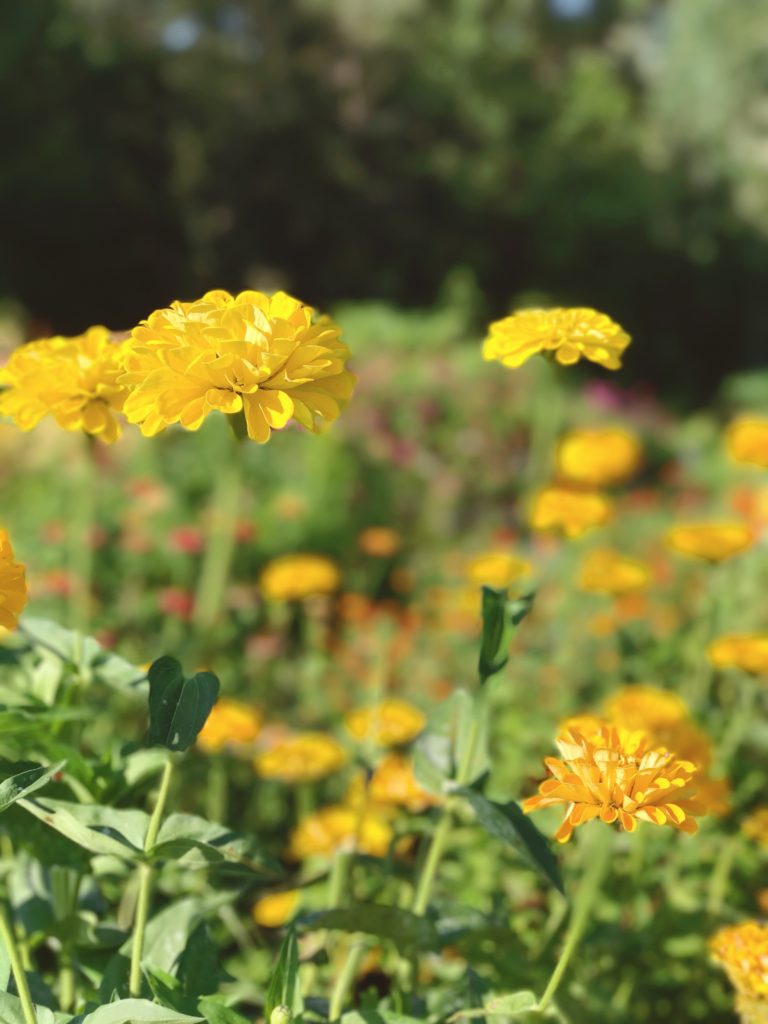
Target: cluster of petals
299	576
712	542
305	757
745	651
74	380
570	511
390	723
231	725
339	827
267	357
746	440
616	775
605	571
13	585
742	950
567	334
598	456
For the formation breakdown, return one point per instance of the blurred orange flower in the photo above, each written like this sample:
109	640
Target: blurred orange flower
713	542
746	440
598	456
306	757
230	724
340	828
747	651
571	512
605	571
296	577
391	723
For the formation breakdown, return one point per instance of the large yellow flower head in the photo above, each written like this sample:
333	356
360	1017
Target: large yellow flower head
605	571
340	828
391	723
598	456
306	757
231	725
712	542
567	334
747	651
75	380
742	950
265	356
746	440
13	585
617	775
570	511
299	576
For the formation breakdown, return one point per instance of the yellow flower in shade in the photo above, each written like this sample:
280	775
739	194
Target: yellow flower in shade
747	651
75	380
607	572
306	757
746	440
713	542
742	950
231	725
340	828
616	775
496	569
276	908
13	585
568	334
570	511
394	784
390	723
265	356
598	457
755	826
296	577
379	542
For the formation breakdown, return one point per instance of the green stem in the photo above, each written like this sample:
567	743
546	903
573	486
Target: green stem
66	985
593	878
220	545
217	793
81	522
740	718
17	968
721	872
145	880
345	979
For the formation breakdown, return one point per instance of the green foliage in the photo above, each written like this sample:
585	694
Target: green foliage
178	706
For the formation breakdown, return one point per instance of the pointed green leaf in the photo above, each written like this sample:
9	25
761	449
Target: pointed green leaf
284	985
393	923
501	1006
100	830
137	1011
24	783
500	619
178	706
195	842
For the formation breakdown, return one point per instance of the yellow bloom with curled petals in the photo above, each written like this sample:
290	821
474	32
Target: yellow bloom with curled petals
567	334
299	576
265	356
390	723
598	456
742	950
570	511
13	585
276	908
306	757
230	724
713	542
496	569
746	440
747	651
74	380
604	571
617	775
340	828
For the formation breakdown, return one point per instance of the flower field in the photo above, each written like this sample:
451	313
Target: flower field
356	669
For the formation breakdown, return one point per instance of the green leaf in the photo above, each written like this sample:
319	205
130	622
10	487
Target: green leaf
508	823
18	786
178	706
216	1012
100	830
377	1017
195	842
83	653
284	984
501	1006
401	926
12	1013
137	1011
500	619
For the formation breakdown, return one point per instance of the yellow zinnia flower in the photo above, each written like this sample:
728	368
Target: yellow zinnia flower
496	569
742	950
296	577
599	456
276	908
75	380
616	775
571	512
714	542
230	724
568	334
747	651
304	758
746	440
340	828
755	826
13	585
604	571
393	783
389	723
265	356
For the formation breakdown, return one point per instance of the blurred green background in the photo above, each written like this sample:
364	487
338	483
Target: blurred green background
604	152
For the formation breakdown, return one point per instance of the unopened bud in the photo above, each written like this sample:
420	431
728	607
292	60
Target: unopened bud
280	1015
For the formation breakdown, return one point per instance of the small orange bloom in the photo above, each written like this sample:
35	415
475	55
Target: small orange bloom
713	542
747	651
746	440
570	511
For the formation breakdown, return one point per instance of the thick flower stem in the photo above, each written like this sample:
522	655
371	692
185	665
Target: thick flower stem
220	543
597	866
81	521
145	881
17	968
345	980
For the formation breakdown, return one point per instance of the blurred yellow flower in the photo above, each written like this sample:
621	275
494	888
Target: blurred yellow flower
265	356
339	827
742	950
393	783
746	440
714	542
496	569
598	456
645	707
389	723
276	908
230	724
379	541
75	380
616	775
568	334
604	571
755	826
303	758
299	576
747	651
570	511
13	585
